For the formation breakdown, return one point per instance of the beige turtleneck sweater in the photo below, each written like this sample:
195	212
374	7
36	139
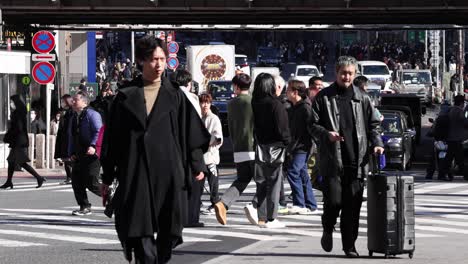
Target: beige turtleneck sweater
151	94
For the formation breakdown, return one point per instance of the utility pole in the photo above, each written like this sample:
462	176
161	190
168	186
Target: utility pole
461	59
426	53
1	26
133	47
443	53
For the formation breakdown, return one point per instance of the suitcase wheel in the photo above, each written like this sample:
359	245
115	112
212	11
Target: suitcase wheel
370	253
410	255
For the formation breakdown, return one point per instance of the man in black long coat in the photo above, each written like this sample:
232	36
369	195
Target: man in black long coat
155	144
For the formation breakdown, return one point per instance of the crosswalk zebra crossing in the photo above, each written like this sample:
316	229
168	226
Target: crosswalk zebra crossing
441	210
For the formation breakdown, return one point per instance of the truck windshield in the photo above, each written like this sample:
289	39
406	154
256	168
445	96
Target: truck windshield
268	52
307	72
375	70
416	78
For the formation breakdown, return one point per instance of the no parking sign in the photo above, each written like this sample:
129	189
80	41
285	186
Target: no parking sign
172	63
43	42
43	72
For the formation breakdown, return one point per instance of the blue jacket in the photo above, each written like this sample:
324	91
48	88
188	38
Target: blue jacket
85	131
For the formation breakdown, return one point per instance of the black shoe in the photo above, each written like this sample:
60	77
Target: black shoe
7	185
351	253
327	241
194	225
65	182
40	181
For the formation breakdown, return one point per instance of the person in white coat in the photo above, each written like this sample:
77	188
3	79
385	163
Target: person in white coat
211	158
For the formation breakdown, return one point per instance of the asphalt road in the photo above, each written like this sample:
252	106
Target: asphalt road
36	226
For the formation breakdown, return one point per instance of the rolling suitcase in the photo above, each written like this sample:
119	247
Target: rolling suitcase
390	214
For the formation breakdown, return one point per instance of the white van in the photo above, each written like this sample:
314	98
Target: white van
305	72
377	72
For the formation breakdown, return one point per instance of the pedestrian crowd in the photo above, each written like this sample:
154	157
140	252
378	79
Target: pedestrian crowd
157	142
448	131
392	53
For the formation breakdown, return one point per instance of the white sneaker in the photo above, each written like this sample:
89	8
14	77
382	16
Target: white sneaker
307	211
302	210
296	209
251	214
274	224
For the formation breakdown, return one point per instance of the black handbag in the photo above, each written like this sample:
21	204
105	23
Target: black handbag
270	153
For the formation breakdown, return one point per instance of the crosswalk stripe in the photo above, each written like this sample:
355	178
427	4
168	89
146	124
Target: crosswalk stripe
71	219
438	187
465	192
14	243
220	232
78	239
47	188
33	185
441	229
100	231
444	202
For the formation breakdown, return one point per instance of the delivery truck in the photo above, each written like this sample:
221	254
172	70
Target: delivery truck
211	63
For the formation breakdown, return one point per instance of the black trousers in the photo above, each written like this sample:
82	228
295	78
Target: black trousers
68	168
194	202
85	174
213	182
349	206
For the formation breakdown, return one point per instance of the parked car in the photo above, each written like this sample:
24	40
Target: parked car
398	138
242	63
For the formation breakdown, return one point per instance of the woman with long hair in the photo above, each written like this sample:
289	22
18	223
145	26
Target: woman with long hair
271	130
17	138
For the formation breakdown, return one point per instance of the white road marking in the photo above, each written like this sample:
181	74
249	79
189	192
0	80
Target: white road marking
77	239
14	243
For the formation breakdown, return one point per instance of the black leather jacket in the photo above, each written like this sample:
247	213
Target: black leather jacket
325	118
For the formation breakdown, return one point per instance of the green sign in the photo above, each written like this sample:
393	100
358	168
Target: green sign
26	80
91	89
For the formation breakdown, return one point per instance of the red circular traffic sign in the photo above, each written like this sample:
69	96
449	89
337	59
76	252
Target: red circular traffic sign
172	63
43	42
43	72
173	47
